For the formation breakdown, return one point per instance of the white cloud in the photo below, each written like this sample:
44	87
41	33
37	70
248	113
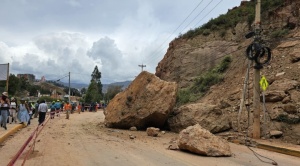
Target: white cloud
52	37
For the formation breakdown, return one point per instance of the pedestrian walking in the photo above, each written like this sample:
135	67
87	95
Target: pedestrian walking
79	108
23	112
52	110
29	112
13	110
57	108
36	106
4	109
68	108
43	108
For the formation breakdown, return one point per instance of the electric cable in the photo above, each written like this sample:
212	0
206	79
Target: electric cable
208	13
185	27
158	49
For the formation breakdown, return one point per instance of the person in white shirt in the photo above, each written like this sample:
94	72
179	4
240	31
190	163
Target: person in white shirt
13	110
43	108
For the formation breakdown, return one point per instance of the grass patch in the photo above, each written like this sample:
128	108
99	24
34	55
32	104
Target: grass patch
202	83
245	13
279	33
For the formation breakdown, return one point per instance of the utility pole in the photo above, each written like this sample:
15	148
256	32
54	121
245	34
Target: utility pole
69	85
256	88
142	66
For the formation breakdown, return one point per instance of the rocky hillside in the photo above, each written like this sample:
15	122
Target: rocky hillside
189	57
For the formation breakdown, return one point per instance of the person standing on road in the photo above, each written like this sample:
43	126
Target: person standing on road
43	108
52	110
36	106
13	110
79	108
23	113
57	107
29	112
4	109
68	108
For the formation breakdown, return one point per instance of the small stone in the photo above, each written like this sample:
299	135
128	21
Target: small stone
152	131
280	74
163	132
132	136
173	147
133	128
276	133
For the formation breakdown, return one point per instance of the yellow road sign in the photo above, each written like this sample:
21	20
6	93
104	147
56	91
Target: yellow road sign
263	83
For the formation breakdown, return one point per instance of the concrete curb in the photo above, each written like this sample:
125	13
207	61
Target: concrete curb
283	150
4	136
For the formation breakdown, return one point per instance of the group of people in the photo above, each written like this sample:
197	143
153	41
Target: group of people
11	111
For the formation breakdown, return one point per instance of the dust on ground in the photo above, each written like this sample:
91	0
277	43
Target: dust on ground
84	140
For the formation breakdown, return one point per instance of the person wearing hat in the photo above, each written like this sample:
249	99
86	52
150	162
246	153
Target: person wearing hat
13	110
23	113
4	109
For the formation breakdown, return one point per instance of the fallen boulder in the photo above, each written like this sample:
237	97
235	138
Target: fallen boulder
208	116
200	141
152	131
147	102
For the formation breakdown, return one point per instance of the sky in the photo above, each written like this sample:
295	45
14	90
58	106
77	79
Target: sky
53	37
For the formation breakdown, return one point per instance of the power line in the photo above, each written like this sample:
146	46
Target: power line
208	13
158	49
155	56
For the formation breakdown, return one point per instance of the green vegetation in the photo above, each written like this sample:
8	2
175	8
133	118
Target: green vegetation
245	13
279	33
94	91
202	83
287	119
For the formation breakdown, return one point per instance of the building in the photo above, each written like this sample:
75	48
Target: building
29	77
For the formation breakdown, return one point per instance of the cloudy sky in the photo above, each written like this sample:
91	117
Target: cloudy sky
53	37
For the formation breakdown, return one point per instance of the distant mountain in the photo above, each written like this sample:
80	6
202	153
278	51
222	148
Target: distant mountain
125	84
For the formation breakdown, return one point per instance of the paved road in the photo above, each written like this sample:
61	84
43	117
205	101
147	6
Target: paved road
83	140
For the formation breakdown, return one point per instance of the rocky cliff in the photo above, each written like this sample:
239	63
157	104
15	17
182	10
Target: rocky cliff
188	58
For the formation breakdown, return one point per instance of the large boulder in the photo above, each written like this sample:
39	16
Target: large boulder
208	116
147	102
200	141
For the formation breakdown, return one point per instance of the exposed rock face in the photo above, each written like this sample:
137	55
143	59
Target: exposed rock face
180	61
187	58
200	141
147	102
208	116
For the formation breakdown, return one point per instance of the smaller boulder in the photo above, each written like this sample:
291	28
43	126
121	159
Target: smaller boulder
200	141
274	96
152	131
133	128
289	108
276	133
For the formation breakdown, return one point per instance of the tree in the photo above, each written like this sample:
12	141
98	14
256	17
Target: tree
92	94
83	91
96	76
112	91
13	84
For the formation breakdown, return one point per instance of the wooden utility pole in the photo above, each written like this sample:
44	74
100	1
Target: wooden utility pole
142	66
7	80
256	88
